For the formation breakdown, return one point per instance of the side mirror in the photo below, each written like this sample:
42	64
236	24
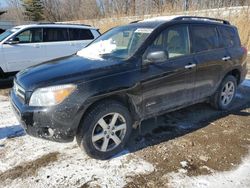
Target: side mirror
12	41
156	56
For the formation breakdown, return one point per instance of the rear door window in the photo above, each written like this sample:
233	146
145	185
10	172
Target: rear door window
204	38
55	34
80	34
229	37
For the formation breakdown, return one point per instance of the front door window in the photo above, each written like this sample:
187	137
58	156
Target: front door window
30	36
174	41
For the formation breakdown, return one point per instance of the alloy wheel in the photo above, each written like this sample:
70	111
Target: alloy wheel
109	132
227	93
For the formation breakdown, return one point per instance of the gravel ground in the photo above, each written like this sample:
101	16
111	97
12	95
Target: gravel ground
193	147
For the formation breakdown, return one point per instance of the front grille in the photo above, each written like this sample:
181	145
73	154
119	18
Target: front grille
19	91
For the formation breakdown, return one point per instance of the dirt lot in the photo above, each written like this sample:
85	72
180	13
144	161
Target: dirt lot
193	147
196	141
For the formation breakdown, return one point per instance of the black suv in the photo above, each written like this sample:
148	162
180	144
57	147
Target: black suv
129	74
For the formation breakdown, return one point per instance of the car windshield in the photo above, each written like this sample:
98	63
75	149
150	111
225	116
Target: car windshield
120	42
7	33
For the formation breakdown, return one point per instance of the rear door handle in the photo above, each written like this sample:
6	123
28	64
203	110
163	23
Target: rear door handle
190	66
226	58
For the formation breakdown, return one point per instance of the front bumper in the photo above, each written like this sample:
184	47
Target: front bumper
57	123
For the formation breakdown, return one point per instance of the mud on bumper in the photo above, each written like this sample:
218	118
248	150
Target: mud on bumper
40	123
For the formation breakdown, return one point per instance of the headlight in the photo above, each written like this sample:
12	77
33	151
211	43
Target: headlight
50	96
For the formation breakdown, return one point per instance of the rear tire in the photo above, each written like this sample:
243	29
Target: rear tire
225	94
105	130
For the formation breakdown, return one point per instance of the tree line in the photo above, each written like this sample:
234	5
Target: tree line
65	10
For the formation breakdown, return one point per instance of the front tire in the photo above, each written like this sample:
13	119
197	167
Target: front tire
105	130
225	95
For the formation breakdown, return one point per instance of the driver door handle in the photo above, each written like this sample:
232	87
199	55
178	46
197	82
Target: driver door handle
226	58
190	66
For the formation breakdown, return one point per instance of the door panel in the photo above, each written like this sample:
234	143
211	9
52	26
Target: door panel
209	59
2	60
169	83
56	50
231	42
56	42
28	52
21	56
209	69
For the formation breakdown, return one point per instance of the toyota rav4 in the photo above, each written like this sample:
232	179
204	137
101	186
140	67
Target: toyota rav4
127	75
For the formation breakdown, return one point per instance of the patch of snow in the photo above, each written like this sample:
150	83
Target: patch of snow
246	83
184	164
239	95
9	127
221	12
96	50
207	168
203	158
73	168
183	171
239	177
186	126
11	131
6	117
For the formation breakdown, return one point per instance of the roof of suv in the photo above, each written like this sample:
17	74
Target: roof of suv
62	25
156	21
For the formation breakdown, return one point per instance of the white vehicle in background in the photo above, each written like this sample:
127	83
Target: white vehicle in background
28	45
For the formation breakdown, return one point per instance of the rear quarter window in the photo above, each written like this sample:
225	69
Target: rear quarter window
229	37
80	34
204	38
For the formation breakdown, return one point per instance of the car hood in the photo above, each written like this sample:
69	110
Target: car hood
62	71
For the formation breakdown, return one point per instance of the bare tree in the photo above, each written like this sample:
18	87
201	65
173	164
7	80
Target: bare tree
65	10
52	10
89	9
15	12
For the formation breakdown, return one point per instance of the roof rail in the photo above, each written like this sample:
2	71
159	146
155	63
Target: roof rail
202	18
41	23
48	23
136	21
